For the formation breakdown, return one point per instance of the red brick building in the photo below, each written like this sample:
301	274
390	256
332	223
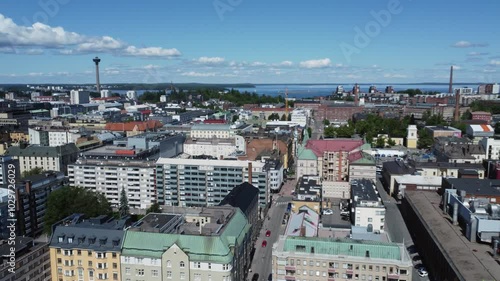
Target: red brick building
336	113
481	115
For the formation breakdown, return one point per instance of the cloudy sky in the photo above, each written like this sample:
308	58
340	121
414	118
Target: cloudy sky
255	41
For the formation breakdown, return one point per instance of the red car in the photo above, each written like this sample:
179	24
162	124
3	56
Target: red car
268	233
264	244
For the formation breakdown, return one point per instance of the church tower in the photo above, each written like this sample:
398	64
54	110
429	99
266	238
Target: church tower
412	137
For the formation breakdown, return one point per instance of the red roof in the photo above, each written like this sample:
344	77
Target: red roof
333	145
131	126
214	121
355	156
268	109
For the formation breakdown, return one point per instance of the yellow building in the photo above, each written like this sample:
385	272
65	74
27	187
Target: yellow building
314	205
19	136
86	250
412	137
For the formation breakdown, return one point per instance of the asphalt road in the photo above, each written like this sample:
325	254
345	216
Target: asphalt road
262	258
396	227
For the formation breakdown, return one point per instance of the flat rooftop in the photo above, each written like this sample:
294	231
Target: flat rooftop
473	261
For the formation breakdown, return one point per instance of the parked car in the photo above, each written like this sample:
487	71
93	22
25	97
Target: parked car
264	244
327	212
422	272
268	233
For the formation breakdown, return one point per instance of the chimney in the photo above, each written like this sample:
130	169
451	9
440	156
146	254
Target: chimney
450	89
457	106
250	172
356	95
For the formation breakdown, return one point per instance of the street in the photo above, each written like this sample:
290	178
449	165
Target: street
396	227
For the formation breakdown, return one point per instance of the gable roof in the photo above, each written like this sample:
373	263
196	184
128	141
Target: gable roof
241	196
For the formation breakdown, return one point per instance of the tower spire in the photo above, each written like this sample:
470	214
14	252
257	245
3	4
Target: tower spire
98	84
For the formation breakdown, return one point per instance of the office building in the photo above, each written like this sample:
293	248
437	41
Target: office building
326	259
79	97
207	131
367	209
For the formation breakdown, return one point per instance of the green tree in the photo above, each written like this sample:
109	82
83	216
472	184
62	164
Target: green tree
235	118
329	132
124	209
289	117
69	200
273	116
380	142
283	117
467	115
391	142
326	122
497	128
425	139
309	131
32	172
154	208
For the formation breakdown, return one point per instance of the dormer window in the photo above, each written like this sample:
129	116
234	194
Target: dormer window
103	240
70	240
61	239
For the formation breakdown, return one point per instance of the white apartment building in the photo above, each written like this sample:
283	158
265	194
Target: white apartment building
328	259
79	96
111	176
52	137
105	93
132	95
205	182
300	116
205	131
367	207
218	148
492	148
336	189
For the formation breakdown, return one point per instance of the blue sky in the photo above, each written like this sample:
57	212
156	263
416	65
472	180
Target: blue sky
255	41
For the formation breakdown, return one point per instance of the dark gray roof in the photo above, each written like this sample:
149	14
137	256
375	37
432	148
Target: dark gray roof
98	234
241	196
43	151
475	186
363	189
397	168
448	165
306	184
21	243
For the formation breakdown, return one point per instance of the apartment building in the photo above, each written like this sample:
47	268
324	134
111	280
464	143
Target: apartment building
362	166
367	209
8	165
205	182
218	148
194	244
86	249
52	136
32	194
328	259
109	177
219	131
79	97
32	260
49	158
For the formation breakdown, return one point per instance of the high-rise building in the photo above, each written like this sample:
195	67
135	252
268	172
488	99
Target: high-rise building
79	96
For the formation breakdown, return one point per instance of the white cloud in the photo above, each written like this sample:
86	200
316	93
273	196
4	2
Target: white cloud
394	75
476	54
151	52
151	66
495	62
320	63
198	74
285	63
258	63
210	60
489	70
467	44
44	36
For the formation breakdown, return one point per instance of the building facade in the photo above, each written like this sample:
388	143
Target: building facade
218	148
203	182
32	261
174	246
79	97
207	131
313	258
367	207
109	177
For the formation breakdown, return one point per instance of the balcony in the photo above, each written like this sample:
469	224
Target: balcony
330	279
393	275
289	277
331	270
290	268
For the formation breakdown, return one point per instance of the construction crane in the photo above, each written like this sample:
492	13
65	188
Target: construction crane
286	103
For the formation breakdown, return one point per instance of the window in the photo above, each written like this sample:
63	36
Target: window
79	252
197	264
183	275
68	252
139	272
225	266
58	251
90	263
197	277
209	266
100	255
169	274
59	260
154	272
115	275
370	219
181	264
70	240
89	253
115	265
114	255
169	263
102	265
127	270
80	263
102	276
127	259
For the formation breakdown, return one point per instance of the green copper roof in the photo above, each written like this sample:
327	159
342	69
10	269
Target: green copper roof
305	154
199	248
344	247
367	159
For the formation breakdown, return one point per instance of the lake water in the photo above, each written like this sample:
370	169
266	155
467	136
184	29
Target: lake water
306	90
